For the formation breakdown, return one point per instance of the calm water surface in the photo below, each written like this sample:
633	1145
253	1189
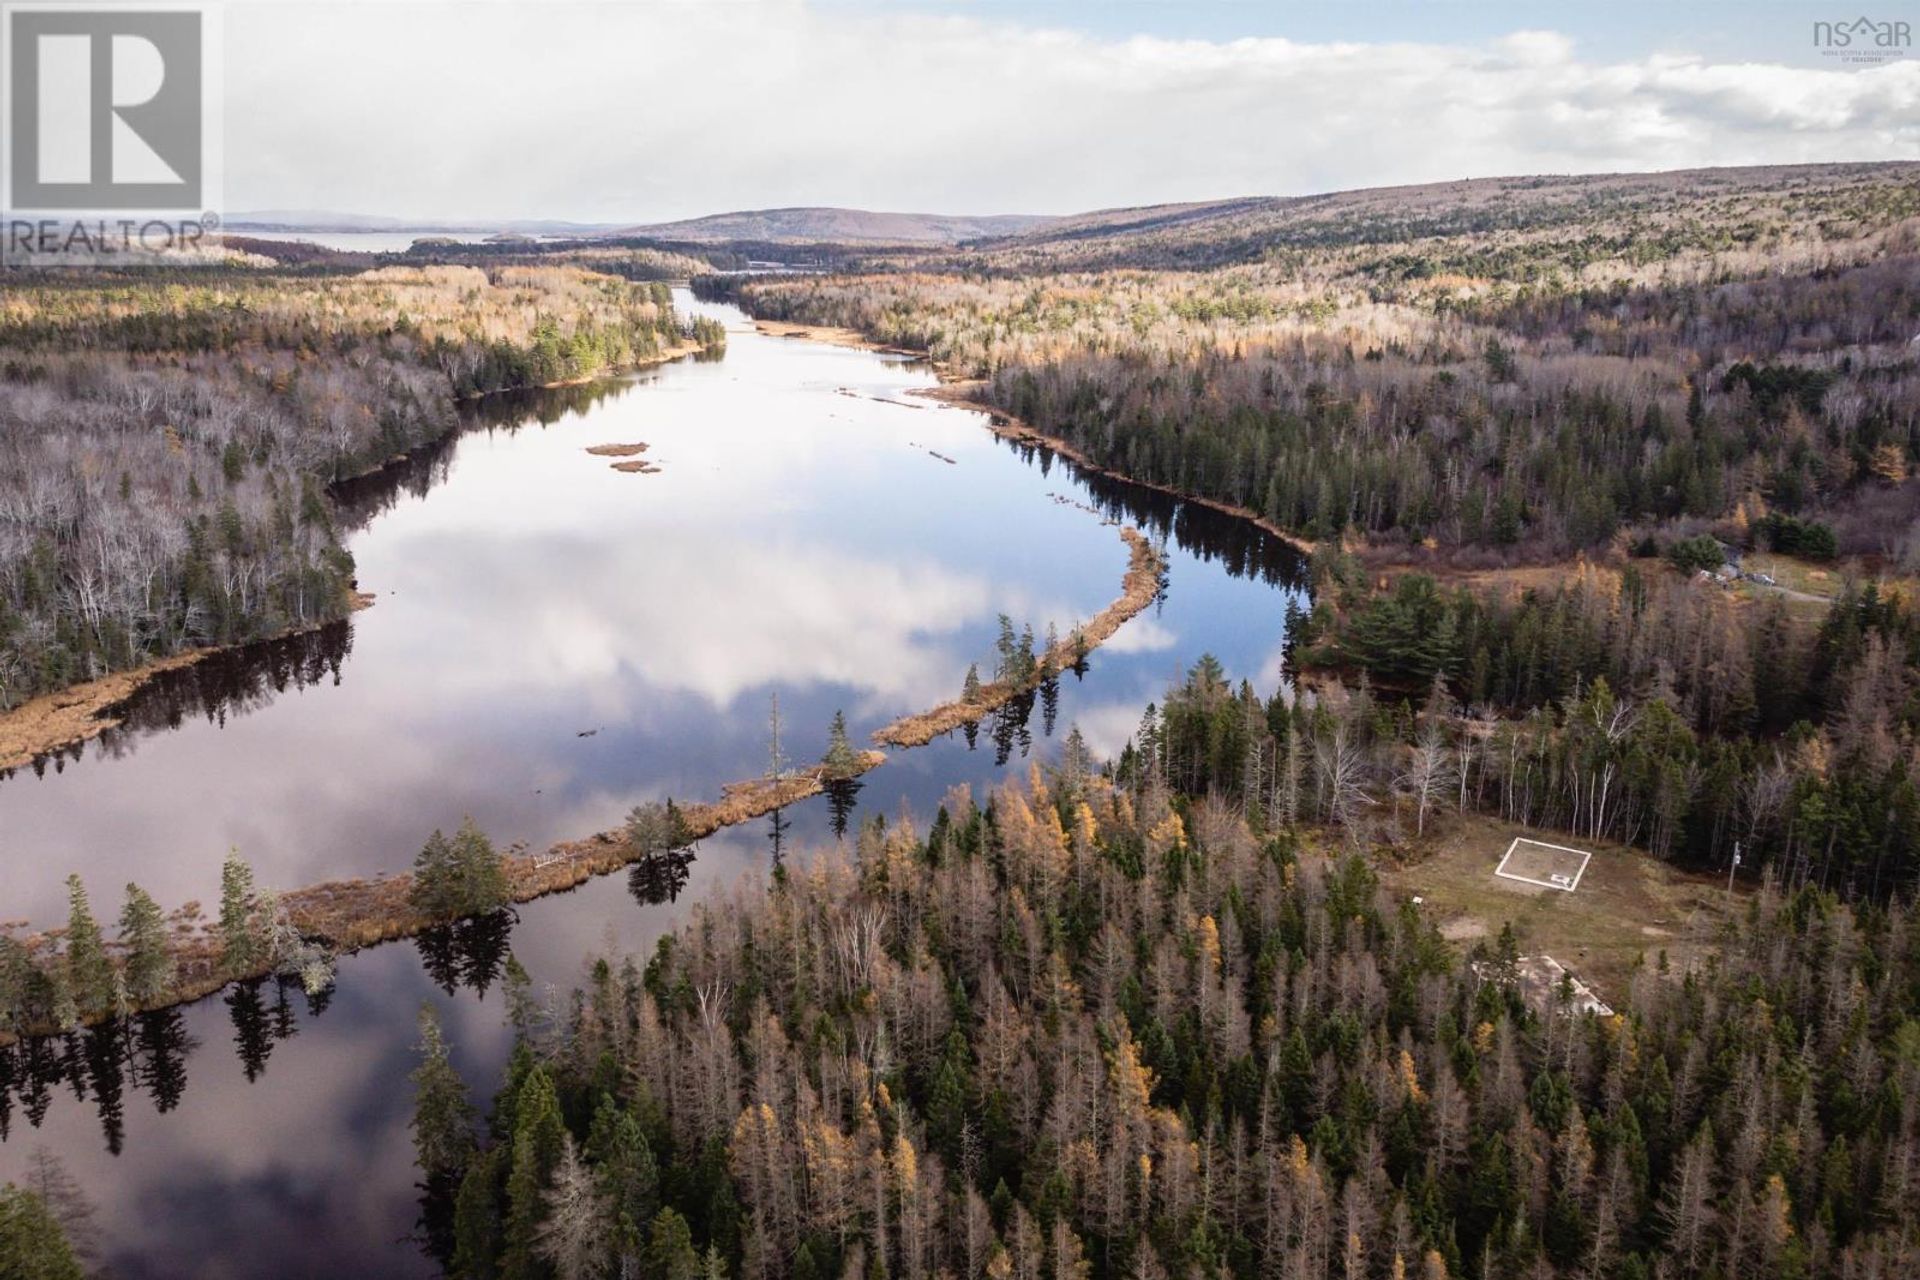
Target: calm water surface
553	643
365	241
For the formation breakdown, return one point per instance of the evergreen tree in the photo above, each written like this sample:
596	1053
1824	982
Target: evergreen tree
516	987
150	964
241	951
841	760
19	979
482	872
618	1150
32	1246
443	1140
657	827
539	1137
477	1230
54	993
464	876
670	1254
436	879
60	1193
90	971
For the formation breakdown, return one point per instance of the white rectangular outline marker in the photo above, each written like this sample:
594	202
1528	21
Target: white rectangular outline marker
1504	874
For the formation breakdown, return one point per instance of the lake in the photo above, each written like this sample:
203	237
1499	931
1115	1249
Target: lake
359	241
554	642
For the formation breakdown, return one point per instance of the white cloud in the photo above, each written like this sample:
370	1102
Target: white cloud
666	109
1142	634
1107	727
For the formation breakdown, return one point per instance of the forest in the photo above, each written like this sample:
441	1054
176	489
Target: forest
1088	1030
1163	1019
1438	388
1523	424
168	441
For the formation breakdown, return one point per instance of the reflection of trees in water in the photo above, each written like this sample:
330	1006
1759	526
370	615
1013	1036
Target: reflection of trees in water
105	1056
467	953
1241	547
1008	727
841	796
228	682
234	682
247	677
34	1067
147	1052
777	825
544	406
358	499
660	876
161	1057
257	1025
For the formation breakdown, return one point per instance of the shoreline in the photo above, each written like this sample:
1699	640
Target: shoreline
1138	588
49	723
953	391
347	916
56	721
666	355
832	335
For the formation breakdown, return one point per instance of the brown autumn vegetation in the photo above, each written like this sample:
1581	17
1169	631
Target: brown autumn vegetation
1073	1030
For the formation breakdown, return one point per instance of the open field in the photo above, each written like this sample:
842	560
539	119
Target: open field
1628	904
1824	582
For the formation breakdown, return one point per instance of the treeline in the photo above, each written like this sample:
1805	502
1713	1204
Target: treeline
1532	231
1088	1032
166	448
1487	442
1436	367
1631	705
630	260
52	982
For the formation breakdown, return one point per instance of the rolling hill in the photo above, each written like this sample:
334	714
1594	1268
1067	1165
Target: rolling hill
837	226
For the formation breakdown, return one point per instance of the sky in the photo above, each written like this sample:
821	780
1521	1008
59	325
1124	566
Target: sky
650	110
